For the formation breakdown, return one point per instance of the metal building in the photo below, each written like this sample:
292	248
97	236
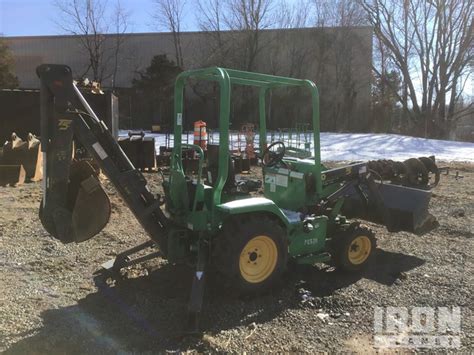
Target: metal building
339	60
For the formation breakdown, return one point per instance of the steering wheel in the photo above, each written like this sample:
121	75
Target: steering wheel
273	154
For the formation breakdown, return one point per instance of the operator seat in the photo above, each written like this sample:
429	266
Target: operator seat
213	168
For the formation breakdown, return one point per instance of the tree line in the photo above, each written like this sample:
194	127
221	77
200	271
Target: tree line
423	51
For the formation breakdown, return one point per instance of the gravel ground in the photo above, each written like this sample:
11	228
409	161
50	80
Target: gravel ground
51	303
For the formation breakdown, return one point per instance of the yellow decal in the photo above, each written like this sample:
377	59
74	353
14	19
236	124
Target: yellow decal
348	170
64	124
323	177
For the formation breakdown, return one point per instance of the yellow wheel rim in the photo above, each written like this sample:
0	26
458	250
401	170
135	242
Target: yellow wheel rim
359	250
258	259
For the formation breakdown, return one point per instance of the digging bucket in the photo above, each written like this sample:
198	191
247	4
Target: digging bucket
397	207
87	211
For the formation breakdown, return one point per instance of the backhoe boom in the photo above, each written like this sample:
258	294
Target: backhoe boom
74	206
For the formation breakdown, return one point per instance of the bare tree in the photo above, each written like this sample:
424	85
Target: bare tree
293	14
388	86
237	38
169	16
120	23
337	49
342	13
249	17
244	22
290	54
210	17
90	21
428	43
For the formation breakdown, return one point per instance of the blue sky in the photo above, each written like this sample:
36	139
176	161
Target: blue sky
36	17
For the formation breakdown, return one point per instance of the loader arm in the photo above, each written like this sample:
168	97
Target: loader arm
74	206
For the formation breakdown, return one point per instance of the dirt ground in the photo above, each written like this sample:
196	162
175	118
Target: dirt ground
51	303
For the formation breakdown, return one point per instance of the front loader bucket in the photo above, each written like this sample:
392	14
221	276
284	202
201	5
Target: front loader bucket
87	211
397	207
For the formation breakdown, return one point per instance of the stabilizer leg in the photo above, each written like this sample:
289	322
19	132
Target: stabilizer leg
123	259
197	290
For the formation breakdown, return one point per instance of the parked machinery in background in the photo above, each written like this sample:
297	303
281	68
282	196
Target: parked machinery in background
140	149
20	160
419	172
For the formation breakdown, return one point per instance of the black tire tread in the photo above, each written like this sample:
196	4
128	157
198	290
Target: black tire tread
341	243
234	235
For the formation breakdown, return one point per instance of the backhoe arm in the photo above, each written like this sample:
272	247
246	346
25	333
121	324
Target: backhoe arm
74	206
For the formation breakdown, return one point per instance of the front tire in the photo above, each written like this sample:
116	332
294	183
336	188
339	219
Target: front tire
354	248
251	253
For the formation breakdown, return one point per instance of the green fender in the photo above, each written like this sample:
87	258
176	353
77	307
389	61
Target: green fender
253	205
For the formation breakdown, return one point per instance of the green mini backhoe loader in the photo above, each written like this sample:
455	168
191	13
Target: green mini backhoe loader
202	219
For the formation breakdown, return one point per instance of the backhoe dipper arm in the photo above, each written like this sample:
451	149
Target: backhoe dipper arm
62	120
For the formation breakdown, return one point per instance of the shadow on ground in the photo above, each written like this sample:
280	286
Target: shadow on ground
386	268
148	313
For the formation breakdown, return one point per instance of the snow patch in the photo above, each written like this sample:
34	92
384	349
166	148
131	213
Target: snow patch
363	146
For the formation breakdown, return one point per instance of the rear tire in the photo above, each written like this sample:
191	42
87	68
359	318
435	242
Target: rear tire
354	248
251	253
